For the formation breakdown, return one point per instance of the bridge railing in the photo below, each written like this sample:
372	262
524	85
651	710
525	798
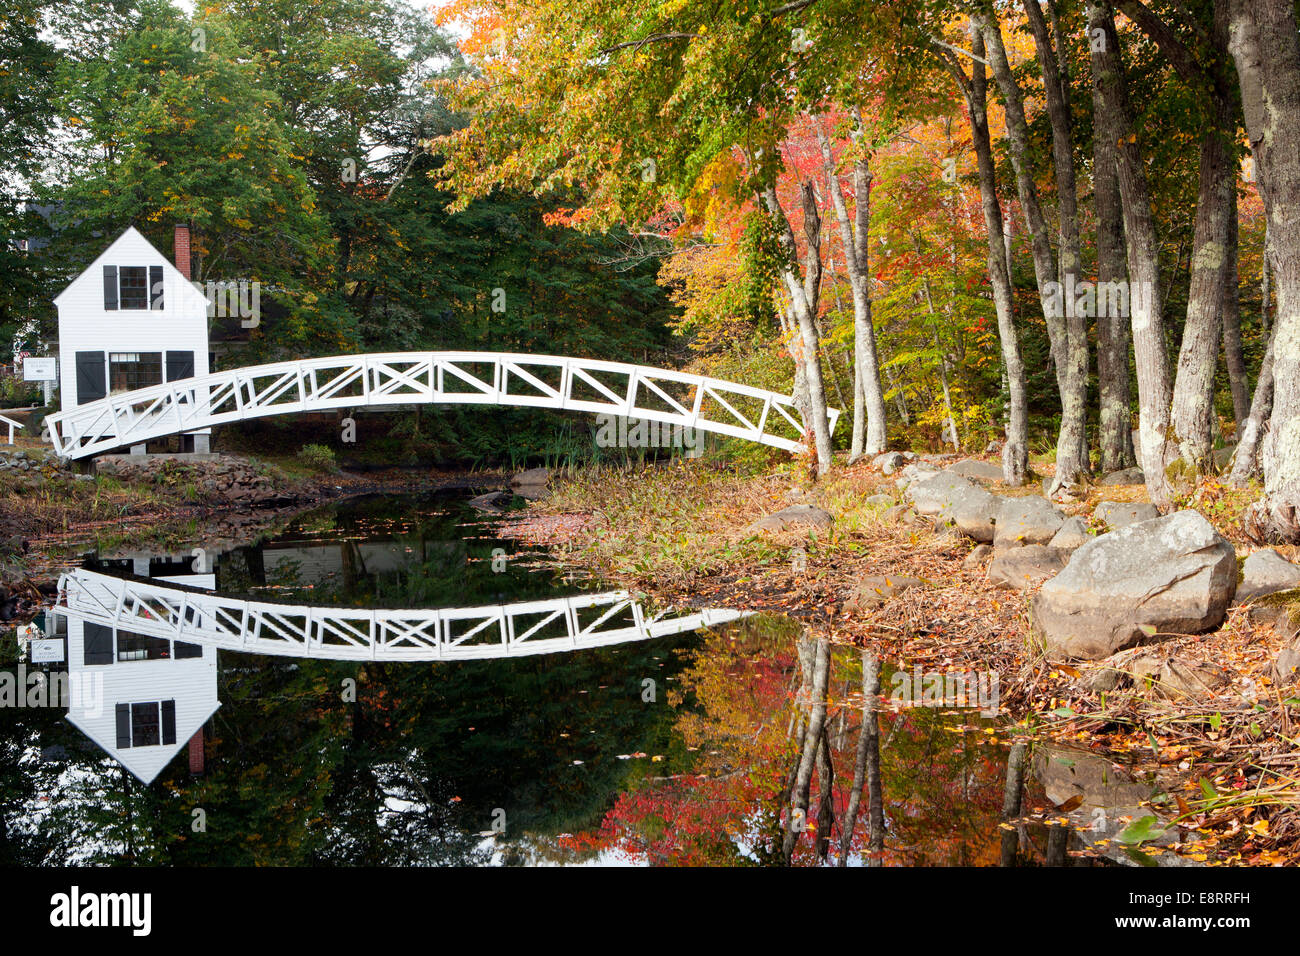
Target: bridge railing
198	616
402	378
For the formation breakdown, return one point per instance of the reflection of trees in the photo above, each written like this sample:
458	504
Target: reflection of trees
769	736
444	564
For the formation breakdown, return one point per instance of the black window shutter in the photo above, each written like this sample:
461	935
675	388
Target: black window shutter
110	287
155	287
92	380
123	714
180	365
98	644
169	721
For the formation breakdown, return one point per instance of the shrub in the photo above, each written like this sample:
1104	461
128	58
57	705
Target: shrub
319	458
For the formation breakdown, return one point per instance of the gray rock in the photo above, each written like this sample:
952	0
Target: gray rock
949	497
531	483
889	462
1266	572
1020	569
1287	666
494	502
880	501
1072	534
978	555
1125	476
1173	574
975	469
913	472
1026	520
1121	514
795	516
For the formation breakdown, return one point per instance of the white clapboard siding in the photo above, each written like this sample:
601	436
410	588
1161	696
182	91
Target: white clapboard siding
86	326
192	683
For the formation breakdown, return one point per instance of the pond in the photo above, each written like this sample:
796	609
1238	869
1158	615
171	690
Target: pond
543	719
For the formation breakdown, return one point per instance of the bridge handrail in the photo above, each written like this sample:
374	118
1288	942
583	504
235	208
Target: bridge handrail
399	378
198	616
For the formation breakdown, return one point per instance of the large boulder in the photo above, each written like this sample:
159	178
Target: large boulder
1020	569
1125	476
1266	572
794	517
951	498
1173	574
1121	514
1026	520
976	469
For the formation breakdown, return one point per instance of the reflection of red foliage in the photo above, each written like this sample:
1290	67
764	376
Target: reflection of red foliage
942	788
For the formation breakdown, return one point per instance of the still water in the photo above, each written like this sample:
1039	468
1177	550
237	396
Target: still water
701	746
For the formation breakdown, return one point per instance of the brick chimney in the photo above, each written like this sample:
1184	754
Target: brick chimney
196	752
181	249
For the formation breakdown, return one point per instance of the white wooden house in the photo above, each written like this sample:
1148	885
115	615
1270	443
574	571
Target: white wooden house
132	319
145	698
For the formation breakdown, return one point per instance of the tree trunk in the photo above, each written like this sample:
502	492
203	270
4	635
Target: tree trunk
1072	460
1015	453
811	743
1245	461
1266	48
1234	357
1192	413
854	236
1145	304
868	754
1112	323
803	304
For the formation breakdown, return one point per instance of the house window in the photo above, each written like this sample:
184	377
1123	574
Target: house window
97	644
132	370
138	647
133	287
146	724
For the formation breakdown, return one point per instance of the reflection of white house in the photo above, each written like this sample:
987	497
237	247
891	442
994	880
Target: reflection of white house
131	320
155	696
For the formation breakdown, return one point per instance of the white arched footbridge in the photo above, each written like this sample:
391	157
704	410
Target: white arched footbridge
198	616
405	378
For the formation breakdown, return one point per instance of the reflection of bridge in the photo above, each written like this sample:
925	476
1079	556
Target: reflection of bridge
338	633
404	378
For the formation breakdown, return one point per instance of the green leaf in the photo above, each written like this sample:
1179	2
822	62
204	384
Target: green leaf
1139	831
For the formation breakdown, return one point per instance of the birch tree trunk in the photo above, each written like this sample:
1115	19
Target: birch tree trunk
803	303
1145	304
811	743
854	236
1072	460
1266	48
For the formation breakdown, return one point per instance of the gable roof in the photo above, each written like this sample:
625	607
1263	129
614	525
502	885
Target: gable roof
146	762
132	234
